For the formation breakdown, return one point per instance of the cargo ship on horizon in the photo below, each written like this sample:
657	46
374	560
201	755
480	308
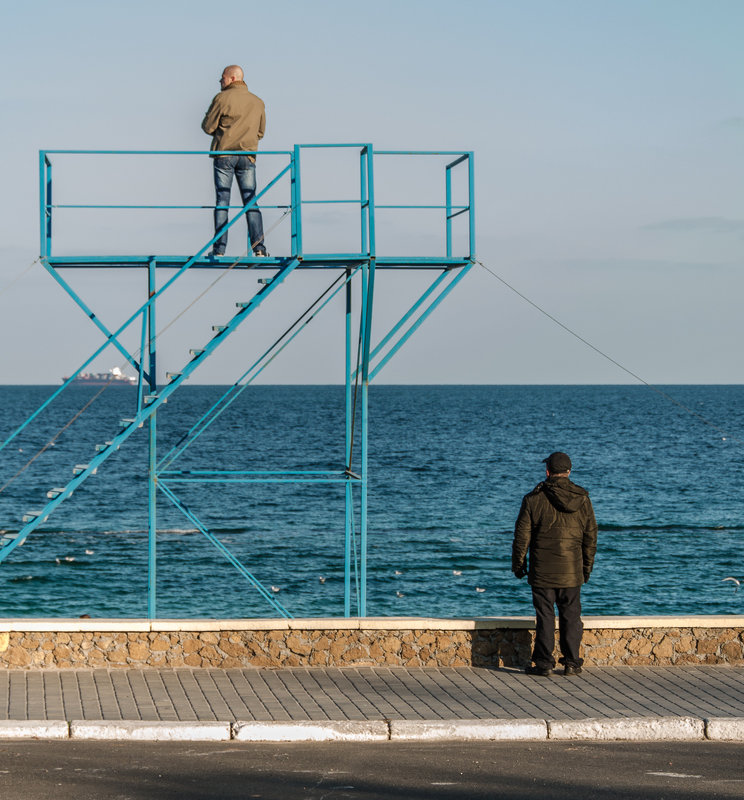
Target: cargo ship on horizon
114	377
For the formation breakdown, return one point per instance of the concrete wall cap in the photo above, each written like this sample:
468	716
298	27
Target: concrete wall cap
52	625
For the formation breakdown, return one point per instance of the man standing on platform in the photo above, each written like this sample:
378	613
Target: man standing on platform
556	526
236	120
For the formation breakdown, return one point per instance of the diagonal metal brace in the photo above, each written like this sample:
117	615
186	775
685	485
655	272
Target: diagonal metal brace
249	576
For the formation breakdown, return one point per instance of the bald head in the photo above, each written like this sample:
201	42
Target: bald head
231	74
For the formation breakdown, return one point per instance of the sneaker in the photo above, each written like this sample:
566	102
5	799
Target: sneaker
261	253
571	670
215	254
543	672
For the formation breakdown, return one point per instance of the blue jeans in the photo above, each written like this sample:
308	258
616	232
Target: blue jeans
244	171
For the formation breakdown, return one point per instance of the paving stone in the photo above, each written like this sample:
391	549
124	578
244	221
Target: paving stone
369	693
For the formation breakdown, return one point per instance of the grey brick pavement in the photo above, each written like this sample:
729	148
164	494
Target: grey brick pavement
368	693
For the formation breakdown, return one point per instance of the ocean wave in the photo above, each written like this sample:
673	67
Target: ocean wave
668	526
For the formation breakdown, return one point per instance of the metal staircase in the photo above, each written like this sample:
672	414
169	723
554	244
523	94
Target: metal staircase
151	403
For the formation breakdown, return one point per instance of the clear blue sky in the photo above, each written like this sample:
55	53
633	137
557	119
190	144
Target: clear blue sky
610	174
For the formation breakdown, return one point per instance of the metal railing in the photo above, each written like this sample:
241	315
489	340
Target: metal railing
295	202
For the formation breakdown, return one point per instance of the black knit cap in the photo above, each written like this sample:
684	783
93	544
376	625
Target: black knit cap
557	462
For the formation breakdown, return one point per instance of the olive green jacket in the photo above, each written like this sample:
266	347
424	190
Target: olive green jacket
556	526
236	119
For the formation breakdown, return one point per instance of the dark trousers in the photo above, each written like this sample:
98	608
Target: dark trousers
570	626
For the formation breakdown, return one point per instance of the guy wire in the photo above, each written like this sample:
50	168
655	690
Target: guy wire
604	355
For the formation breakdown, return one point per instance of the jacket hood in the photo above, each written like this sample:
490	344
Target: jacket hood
564	495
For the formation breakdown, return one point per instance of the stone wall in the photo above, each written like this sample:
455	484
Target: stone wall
663	647
274	643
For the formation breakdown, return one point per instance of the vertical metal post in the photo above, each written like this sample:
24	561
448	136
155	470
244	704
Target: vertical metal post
45	204
42	202
363	200
152	452
448	218
368	302
296	199
471	201
348	489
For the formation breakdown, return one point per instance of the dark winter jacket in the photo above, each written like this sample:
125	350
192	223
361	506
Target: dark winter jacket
556	526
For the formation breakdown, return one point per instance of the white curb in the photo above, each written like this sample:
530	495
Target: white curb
475	729
34	729
628	729
138	730
725	729
307	731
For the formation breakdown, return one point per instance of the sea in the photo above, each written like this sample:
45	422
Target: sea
448	466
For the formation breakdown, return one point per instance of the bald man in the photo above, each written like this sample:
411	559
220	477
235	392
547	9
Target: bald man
236	120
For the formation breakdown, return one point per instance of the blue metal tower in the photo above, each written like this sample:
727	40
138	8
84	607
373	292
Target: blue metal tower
363	359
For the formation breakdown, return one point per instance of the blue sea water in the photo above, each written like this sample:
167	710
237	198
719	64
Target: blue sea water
448	467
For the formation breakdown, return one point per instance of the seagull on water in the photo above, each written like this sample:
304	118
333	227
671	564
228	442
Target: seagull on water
478	589
457	572
735	580
321	579
275	589
399	594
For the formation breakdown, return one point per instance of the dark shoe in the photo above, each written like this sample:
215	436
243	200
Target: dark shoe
543	672
215	254
571	670
261	253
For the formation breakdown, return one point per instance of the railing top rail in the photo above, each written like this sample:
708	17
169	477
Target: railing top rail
461	153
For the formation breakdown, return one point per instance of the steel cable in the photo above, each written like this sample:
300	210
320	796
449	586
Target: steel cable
609	358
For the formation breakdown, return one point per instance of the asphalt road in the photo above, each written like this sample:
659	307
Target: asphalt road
187	771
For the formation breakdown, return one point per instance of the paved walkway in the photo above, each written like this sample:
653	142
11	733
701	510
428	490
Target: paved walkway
296	697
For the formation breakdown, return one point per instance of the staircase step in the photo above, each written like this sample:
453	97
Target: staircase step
30	516
264	281
243	303
78	468
151	398
218	328
172	376
7	538
195	352
56	492
106	446
125	423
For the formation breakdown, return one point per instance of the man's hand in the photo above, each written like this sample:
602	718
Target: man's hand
520	571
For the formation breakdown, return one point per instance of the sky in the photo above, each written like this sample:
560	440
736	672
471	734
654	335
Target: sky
608	138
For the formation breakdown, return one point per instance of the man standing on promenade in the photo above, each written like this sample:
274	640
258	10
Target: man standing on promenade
236	120
556	525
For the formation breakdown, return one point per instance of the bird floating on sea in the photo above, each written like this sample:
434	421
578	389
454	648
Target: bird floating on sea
275	589
478	589
398	572
457	572
735	580
321	579
399	594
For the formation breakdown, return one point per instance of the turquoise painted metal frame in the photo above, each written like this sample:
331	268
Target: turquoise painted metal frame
353	268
